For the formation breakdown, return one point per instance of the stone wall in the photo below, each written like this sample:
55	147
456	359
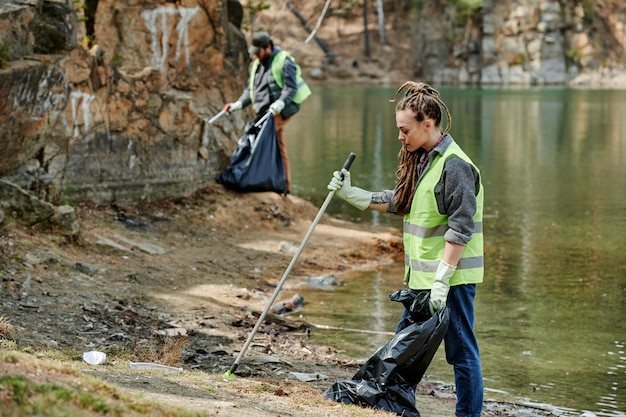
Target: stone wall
124	121
530	42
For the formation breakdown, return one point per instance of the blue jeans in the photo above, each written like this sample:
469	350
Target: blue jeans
462	351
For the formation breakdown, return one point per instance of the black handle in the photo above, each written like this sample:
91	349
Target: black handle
349	161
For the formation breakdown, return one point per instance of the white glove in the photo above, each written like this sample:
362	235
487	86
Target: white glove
358	197
277	106
441	286
231	107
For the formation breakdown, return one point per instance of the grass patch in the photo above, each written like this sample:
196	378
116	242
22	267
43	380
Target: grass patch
162	350
42	387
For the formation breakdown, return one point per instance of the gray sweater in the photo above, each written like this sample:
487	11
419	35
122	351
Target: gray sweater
455	194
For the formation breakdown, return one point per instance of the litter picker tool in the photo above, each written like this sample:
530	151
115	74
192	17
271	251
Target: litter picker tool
263	119
217	116
230	374
259	123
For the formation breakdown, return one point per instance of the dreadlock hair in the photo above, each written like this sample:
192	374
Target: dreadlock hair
426	103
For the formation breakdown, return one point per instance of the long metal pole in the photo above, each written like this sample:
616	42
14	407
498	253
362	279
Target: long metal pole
233	367
217	116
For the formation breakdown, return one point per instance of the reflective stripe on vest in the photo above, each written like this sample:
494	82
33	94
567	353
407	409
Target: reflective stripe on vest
278	62
424	230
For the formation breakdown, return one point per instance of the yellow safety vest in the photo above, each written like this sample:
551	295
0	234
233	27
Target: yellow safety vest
278	62
424	229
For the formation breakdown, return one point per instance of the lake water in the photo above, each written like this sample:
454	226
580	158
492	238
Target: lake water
550	315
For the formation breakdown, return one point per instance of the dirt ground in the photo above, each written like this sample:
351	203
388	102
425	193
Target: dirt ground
181	283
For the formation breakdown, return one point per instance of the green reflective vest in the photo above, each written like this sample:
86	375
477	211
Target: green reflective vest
277	83
424	229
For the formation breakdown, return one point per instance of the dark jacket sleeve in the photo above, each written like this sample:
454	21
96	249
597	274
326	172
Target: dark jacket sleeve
245	97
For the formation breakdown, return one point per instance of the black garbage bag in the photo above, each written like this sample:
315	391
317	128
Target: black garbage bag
389	378
256	164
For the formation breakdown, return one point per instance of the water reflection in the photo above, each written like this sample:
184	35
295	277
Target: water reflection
550	314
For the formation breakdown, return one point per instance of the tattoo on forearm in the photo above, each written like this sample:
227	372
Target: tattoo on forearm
381	198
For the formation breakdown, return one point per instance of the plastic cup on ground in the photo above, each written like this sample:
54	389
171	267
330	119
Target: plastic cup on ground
94	357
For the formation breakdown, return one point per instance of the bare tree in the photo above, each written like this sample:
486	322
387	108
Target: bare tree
330	55
381	22
366	32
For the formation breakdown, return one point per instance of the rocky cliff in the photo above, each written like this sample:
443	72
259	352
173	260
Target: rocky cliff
124	120
488	42
552	42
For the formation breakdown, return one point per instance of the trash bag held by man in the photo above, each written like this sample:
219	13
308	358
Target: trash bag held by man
389	378
256	164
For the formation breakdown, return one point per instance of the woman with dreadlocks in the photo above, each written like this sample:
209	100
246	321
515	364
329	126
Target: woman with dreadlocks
440	196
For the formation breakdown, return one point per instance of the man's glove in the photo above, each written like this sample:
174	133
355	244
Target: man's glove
277	106
441	286
231	107
358	197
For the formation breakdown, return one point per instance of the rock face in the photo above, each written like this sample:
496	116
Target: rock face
126	120
535	42
28	208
